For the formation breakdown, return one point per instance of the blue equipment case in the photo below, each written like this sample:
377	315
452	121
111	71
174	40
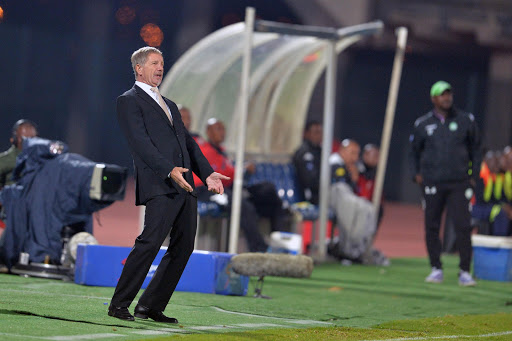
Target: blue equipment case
206	272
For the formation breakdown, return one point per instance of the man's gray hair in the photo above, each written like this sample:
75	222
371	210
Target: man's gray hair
141	55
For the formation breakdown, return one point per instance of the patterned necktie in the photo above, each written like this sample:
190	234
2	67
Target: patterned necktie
162	103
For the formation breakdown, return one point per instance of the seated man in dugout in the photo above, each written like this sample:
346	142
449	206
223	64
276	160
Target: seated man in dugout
355	215
186	117
506	165
492	195
306	161
258	200
368	172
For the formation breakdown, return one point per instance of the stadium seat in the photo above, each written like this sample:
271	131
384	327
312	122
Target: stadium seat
283	176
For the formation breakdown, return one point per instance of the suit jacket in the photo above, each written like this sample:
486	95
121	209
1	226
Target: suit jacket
157	146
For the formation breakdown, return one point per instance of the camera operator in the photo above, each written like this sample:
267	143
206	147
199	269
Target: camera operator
23	128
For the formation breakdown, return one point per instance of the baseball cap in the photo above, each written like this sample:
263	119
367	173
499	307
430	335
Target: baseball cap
439	87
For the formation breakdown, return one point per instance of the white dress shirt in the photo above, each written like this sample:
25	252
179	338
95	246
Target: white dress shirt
147	89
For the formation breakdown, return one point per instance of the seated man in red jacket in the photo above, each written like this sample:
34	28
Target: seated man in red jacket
259	200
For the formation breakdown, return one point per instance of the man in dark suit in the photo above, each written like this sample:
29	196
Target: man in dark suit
164	156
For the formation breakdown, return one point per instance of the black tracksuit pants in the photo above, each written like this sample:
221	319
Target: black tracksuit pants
454	196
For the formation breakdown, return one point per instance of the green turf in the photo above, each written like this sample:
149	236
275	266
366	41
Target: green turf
363	301
467	327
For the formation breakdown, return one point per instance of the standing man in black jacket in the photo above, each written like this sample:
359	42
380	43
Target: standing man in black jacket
445	159
164	156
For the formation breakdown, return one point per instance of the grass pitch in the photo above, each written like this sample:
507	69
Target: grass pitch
336	303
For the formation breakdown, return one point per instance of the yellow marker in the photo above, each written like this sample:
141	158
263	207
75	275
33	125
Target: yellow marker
340	171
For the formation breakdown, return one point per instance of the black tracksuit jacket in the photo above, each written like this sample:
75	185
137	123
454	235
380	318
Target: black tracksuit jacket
445	152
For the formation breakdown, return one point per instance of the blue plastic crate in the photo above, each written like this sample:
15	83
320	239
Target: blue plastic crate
206	272
492	258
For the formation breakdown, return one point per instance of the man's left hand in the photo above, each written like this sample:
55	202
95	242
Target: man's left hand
214	182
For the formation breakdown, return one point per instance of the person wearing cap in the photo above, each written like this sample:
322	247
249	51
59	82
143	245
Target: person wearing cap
444	159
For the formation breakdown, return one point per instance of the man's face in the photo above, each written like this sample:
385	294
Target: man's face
371	157
216	133
25	130
314	134
508	160
152	71
350	153
443	101
185	117
495	162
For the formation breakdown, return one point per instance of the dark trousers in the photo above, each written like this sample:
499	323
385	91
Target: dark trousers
174	215
454	197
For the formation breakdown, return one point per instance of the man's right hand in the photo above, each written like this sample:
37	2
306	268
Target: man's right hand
177	176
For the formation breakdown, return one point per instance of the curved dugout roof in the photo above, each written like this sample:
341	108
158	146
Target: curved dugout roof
284	72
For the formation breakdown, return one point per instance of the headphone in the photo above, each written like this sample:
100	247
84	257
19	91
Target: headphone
19	123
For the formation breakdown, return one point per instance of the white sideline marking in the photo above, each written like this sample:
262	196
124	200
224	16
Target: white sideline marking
206	328
305	322
151	332
62	338
82	337
258	325
444	337
271	317
171	330
22	336
43	285
210	327
54	294
160	331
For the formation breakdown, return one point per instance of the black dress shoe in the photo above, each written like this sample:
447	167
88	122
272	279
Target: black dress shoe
120	313
143	313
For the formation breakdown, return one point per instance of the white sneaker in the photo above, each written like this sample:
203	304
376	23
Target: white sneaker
436	276
465	279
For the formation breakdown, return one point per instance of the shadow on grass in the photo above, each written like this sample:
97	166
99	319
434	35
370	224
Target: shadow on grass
28	313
